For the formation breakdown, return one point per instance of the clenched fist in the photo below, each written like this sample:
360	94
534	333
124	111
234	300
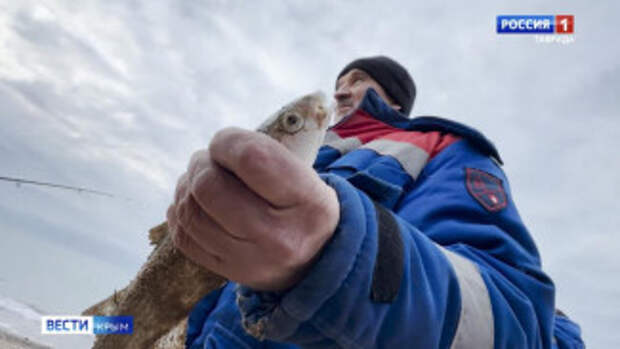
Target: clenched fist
250	211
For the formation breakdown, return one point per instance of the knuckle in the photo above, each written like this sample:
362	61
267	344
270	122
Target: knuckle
181	187
318	204
223	137
170	215
283	234
182	179
203	183
292	252
197	156
197	161
287	245
186	212
180	239
215	262
204	176
180	211
271	219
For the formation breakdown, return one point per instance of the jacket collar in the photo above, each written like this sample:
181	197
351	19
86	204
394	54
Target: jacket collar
378	109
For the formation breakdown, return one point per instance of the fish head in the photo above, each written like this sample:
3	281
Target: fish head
300	125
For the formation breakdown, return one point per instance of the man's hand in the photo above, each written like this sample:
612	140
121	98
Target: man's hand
250	211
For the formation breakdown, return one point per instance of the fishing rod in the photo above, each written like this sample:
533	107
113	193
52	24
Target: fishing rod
19	181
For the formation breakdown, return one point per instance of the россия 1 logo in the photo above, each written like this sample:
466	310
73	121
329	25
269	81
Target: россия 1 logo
535	24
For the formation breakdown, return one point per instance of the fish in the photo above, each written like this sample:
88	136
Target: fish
168	284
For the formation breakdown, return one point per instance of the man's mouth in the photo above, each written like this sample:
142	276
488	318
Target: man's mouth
343	108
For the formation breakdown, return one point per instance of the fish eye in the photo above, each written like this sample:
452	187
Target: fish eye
291	122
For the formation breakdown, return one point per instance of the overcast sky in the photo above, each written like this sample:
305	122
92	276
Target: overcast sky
116	95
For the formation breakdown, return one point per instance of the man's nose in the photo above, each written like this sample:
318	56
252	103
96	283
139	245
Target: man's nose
342	93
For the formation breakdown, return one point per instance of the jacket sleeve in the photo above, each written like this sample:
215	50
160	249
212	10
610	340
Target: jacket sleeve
438	270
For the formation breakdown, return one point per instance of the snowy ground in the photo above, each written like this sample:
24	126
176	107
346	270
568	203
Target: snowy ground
20	328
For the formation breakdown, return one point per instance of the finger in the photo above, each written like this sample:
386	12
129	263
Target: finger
192	250
220	252
236	263
207	232
181	188
198	160
183	192
171	217
232	205
265	165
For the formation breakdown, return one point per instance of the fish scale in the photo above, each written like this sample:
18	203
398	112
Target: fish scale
168	284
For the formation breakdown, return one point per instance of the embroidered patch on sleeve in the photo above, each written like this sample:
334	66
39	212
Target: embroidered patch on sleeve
487	189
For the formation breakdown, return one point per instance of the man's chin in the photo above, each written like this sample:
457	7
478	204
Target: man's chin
342	112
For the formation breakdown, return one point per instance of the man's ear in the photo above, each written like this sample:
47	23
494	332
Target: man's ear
396	106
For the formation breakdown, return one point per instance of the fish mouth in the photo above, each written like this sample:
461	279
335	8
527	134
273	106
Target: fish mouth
322	114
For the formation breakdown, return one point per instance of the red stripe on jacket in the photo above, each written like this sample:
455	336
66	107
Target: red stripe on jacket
366	128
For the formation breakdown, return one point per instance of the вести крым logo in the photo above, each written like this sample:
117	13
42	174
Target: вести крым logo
57	324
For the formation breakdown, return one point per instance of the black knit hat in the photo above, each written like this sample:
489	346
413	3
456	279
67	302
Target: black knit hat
392	76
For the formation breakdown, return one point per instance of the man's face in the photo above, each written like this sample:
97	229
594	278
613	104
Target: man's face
350	90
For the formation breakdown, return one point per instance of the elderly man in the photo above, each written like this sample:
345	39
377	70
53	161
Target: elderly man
405	235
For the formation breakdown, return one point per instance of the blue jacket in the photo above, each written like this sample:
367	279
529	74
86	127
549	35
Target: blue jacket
429	252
